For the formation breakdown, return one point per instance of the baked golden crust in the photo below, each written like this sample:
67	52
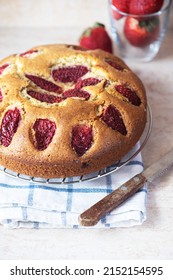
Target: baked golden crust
59	158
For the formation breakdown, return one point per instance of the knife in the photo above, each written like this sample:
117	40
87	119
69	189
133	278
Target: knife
91	216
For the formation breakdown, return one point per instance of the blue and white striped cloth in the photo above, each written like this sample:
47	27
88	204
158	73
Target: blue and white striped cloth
30	205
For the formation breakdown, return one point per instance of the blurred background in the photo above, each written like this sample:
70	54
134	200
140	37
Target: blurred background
51	12
29	22
23	21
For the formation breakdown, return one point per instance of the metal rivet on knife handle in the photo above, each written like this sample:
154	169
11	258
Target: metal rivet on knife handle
92	215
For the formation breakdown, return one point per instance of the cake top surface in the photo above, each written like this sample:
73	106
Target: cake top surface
64	99
54	69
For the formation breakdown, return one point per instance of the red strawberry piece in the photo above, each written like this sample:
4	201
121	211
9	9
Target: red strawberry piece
43	97
112	117
122	5
115	65
87	82
82	138
44	84
96	37
141	33
27	53
75	47
129	93
69	73
44	132
3	67
76	93
9	125
1	95
144	7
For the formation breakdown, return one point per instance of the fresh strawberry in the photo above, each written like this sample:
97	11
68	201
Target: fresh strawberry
129	93
44	84
114	64
28	53
3	67
112	117
44	97
76	93
143	7
44	131
1	95
86	82
140	33
82	138
122	5
68	74
96	37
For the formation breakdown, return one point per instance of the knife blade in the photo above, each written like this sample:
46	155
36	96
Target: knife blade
91	216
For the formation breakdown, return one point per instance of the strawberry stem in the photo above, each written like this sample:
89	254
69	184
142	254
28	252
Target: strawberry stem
98	24
149	25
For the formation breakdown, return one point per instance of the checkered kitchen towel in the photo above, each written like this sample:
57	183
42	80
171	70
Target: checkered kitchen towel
30	205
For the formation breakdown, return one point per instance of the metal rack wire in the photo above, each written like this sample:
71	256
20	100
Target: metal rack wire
92	176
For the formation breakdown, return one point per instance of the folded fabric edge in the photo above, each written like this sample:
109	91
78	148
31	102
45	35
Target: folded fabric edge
138	219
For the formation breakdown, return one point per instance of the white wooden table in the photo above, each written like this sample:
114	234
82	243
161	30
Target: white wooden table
24	24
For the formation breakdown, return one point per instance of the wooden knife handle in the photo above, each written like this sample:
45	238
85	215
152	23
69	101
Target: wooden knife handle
92	215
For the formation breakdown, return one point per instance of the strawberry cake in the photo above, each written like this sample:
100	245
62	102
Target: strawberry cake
67	111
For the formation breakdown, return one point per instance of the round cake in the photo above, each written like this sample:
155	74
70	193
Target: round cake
67	111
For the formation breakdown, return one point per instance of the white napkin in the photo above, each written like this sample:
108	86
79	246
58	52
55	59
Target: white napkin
31	205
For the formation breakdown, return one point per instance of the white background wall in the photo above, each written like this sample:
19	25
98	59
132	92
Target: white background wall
52	12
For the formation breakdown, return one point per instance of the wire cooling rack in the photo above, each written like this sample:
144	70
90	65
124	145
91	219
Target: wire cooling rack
92	176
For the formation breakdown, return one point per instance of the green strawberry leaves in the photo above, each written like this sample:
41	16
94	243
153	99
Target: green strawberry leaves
150	24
